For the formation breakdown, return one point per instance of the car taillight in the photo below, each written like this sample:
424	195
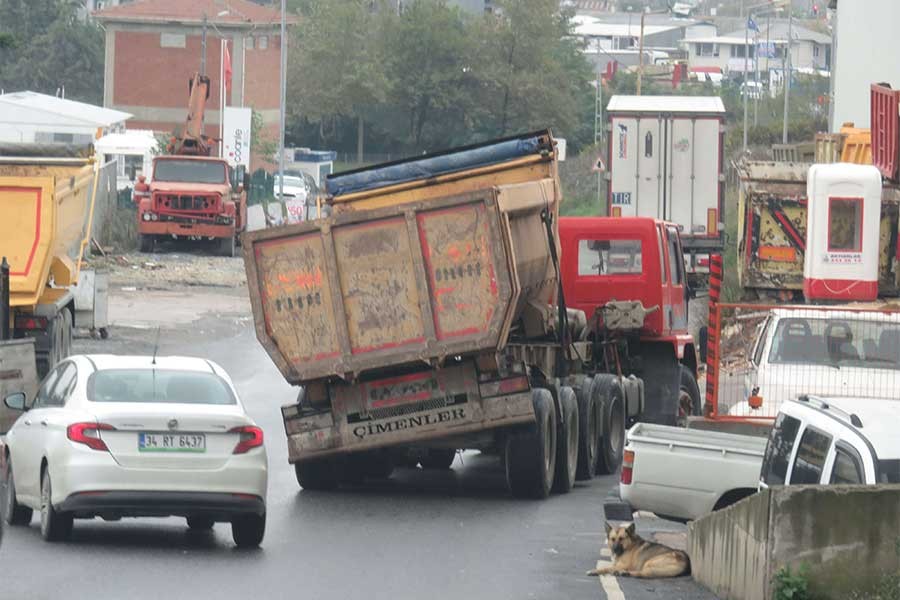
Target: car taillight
88	434
627	466
251	437
26	322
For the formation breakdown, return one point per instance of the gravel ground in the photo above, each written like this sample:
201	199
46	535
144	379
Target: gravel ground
168	270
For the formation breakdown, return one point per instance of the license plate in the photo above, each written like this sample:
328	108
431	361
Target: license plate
171	442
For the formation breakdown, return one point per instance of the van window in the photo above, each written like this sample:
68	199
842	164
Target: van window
811	455
778	450
889	471
609	257
847	466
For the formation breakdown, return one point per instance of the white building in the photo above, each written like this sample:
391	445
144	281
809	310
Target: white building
864	54
810	50
29	117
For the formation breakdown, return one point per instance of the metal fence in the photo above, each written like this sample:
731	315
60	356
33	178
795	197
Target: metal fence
763	355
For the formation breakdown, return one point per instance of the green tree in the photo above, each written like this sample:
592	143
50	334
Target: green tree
338	71
430	68
48	47
532	72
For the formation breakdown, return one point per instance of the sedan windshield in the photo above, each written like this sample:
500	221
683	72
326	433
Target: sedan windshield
838	342
158	385
189	171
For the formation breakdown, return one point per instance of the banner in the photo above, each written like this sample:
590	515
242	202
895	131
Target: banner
236	136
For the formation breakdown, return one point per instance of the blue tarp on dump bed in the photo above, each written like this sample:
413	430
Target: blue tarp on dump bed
339	184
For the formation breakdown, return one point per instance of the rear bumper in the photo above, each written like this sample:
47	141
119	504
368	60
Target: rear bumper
163	504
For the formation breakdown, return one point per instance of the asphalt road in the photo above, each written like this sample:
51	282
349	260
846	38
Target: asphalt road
434	535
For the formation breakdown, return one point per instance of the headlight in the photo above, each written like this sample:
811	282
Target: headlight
146	216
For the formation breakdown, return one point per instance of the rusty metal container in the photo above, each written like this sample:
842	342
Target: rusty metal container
424	273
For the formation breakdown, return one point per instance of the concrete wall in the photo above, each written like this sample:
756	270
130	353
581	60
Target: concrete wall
847	536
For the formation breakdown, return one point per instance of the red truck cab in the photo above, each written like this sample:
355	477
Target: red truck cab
191	197
629	258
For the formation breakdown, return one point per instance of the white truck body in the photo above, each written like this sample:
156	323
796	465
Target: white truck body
665	162
133	151
683	474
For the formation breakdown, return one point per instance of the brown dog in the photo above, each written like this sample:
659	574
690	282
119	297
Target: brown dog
634	556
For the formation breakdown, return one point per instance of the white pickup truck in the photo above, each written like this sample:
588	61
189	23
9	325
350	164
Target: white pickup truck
682	474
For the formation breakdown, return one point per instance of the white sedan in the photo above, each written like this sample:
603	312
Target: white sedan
136	436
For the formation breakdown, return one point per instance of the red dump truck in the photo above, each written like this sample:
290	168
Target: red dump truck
426	315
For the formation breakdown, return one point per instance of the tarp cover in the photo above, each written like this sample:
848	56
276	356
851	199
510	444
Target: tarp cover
375	177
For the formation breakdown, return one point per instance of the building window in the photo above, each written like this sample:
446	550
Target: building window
816	50
171	40
739	51
707	49
262	42
248	42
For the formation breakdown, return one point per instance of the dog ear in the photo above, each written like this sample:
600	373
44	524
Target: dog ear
630	530
608	527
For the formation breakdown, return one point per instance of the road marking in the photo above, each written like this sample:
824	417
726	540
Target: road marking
609	582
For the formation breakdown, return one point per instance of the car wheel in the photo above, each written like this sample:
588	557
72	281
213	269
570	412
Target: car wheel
55	525
200	523
248	530
14	513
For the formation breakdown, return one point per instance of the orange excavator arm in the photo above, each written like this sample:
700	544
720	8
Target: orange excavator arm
191	141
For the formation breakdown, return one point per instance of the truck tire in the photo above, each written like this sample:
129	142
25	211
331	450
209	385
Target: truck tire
590	420
439	459
147	243
661	373
226	246
567	444
609	395
531	452
688	397
318	475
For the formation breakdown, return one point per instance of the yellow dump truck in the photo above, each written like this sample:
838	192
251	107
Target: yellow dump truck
425	315
46	206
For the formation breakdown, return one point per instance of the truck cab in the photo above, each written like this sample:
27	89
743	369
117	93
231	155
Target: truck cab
831	440
191	197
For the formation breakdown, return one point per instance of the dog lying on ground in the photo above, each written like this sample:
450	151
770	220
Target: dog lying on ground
634	556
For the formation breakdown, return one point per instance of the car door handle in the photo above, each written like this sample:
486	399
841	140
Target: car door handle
27	422
44	423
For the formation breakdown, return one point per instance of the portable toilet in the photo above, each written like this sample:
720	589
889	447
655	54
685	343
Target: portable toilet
842	232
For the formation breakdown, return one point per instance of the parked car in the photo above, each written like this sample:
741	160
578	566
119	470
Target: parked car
833	440
135	436
682	474
816	352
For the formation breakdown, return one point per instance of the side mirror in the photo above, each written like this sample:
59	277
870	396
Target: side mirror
16	401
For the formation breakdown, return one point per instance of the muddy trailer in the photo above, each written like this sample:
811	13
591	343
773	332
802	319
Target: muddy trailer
425	315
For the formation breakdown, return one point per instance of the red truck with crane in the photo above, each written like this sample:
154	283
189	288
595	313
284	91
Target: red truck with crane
192	195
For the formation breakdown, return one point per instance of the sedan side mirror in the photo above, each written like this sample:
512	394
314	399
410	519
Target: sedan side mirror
16	401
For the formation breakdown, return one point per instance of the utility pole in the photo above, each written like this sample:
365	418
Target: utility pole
203	48
283	96
641	55
787	76
598	136
746	72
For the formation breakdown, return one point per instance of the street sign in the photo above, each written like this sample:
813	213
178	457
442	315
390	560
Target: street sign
236	136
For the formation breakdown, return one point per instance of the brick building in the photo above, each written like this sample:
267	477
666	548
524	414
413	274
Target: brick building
154	46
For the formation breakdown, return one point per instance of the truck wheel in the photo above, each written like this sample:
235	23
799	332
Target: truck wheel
147	243
531	453
226	246
611	398
589	423
567	445
321	474
688	397
438	458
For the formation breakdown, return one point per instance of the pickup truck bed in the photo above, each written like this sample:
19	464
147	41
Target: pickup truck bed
683	474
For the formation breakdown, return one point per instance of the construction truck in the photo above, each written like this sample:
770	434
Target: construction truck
428	313
191	194
47	198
